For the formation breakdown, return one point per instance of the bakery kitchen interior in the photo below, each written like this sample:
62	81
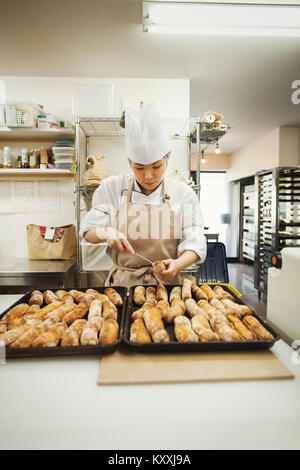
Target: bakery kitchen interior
150	225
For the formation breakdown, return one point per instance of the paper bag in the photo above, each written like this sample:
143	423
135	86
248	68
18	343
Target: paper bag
51	242
96	172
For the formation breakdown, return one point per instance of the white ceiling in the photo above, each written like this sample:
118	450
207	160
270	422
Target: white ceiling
246	79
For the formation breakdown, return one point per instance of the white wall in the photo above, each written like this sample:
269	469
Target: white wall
171	96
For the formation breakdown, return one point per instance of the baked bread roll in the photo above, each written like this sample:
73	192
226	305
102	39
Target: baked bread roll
61	293
15	312
177	309
161	293
49	297
51	338
87	298
89	336
43	313
159	266
154	324
114	296
26	340
13	335
222	294
109	310
186	289
76	294
72	335
75	313
3	327
183	330
218	304
240	310
202	328
256	327
95	309
221	327
175	293
16	323
139	333
209	292
33	310
241	328
59	314
139	295
109	332
151	295
36	298
139	314
193	308
198	292
97	295
164	306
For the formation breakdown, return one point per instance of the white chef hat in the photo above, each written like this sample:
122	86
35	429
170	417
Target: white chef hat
146	141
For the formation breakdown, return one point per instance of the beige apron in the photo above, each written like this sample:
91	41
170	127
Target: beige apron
153	231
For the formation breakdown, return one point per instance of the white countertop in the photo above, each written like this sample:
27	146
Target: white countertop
55	403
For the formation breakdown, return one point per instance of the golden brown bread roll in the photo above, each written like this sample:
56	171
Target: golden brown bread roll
154	324
3	327
59	314
72	334
97	295
222	328
205	305
159	266
151	294
183	330
49	297
76	294
161	293
89	336
138	314
43	313
164	306
109	310
26	340
222	294
12	335
76	313
202	328
51	338
209	292
109	332
186	289
240	310
60	294
16	323
218	304
15	312
114	296
193	308
95	309
176	309
139	295
256	327
175	293
36	298
139	333
241	328
87	298
198	292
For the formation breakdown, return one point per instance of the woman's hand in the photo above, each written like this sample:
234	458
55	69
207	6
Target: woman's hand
170	272
116	239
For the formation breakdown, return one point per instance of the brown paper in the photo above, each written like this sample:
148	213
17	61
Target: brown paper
39	248
134	368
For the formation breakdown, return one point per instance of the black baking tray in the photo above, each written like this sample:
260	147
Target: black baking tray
175	346
70	350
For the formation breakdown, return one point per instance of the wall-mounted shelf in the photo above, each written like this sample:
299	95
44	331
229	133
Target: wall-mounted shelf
7	134
34	172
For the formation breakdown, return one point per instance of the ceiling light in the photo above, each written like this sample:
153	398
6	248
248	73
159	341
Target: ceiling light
243	19
203	159
217	150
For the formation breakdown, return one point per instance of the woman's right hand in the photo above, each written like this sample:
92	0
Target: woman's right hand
117	240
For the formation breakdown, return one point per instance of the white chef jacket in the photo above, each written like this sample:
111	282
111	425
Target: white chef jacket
111	194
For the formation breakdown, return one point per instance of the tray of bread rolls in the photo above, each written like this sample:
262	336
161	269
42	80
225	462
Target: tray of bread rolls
192	318
64	322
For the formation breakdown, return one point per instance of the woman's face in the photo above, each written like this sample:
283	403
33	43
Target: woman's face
149	176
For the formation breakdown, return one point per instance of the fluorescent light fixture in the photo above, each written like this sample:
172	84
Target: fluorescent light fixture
237	19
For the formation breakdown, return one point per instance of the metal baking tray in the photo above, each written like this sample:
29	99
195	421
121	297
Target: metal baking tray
70	350
175	346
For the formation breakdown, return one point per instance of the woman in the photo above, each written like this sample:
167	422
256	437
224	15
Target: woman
147	213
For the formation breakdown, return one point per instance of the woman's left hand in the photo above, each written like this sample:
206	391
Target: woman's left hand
170	272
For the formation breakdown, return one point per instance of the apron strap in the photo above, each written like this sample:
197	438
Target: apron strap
166	198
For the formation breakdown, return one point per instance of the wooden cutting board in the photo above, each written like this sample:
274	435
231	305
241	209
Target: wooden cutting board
129	368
